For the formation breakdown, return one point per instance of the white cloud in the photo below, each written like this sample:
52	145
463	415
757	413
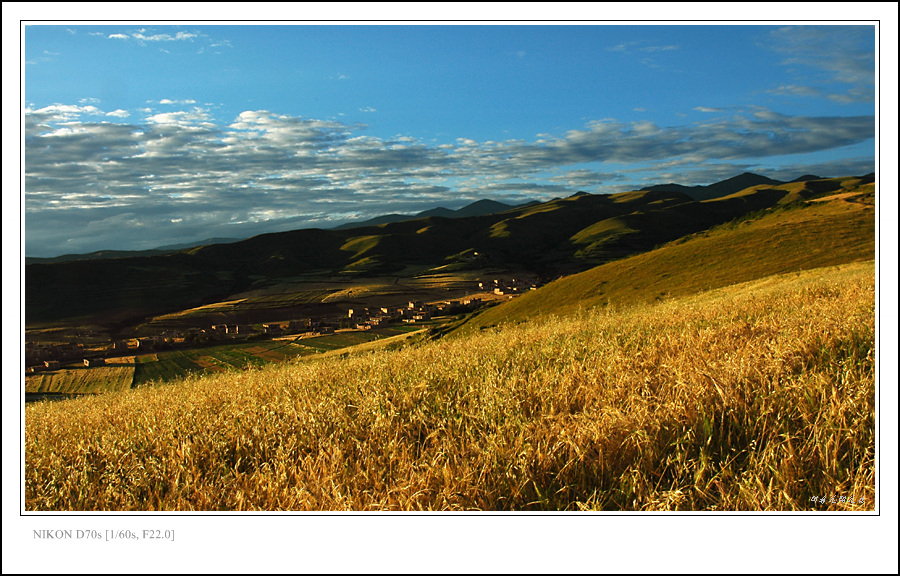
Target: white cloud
141	37
86	175
67	109
164	37
146	37
641	46
623	47
181	117
368	109
665	48
706	109
643	52
795	90
583	179
63	112
835	62
168	101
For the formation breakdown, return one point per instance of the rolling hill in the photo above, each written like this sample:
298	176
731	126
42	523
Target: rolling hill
478	208
117	254
718	189
550	239
801	229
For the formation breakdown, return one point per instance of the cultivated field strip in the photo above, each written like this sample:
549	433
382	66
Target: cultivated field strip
93	380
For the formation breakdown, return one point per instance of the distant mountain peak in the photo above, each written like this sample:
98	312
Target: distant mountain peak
717	189
477	208
749	177
482	202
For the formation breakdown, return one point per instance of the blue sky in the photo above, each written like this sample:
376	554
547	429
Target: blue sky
144	135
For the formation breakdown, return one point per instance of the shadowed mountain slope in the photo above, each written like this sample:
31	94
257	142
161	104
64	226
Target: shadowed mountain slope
554	238
796	235
718	189
478	208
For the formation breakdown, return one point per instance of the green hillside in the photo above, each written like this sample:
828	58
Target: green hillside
833	229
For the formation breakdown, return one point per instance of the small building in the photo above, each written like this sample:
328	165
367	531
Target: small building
94	362
272	328
51	364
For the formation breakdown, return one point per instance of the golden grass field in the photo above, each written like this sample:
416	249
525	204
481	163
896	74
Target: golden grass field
757	396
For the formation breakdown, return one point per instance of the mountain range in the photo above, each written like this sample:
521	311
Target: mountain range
550	239
477	208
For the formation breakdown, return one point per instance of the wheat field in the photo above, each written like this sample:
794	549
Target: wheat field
758	396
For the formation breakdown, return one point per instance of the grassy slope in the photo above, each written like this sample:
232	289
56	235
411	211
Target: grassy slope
755	396
820	233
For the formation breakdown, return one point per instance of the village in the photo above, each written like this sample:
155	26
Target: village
89	350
